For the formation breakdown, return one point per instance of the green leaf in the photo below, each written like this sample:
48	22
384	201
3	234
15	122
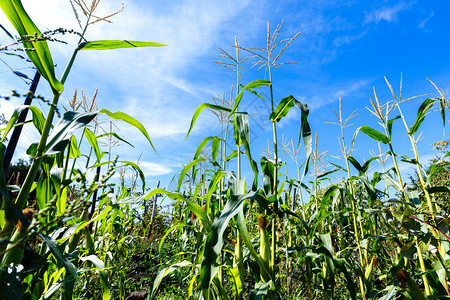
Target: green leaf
242	136
194	207
305	129
94	144
391	294
268	168
215	145
12	121
199	110
3	188
390	181
35	45
241	224
361	169
282	109
186	170
38	118
74	150
214	240
54	247
414	289
106	212
232	155
116	136
249	87
390	123
252	91
127	163
326	200
7	32
166	271
116	44
64	129
161	242
355	163
439	189
100	266
442	108
260	290
214	184
375	134
130	120
421	113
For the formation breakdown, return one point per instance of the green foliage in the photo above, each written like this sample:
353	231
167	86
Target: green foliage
79	238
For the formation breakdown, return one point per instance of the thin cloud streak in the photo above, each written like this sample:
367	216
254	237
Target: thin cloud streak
388	14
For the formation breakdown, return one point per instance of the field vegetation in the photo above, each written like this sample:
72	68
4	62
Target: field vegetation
353	231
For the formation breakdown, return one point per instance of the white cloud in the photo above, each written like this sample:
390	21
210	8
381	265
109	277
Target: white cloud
348	39
333	93
153	169
388	14
424	21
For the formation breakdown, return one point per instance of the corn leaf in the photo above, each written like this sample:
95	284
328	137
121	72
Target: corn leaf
282	109
100	266
442	109
115	44
214	240
214	184
116	136
74	150
249	87
199	110
375	134
127	163
94	144
35	45
130	120
390	123
64	129
215	147
268	168
241	224
161	243
12	121
305	129
232	155
166	271
54	247
421	113
7	32
260	290
194	207
186	170
390	181
242	137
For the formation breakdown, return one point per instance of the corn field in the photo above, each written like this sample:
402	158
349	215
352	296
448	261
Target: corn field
349	232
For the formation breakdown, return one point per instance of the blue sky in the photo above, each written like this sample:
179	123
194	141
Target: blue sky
344	50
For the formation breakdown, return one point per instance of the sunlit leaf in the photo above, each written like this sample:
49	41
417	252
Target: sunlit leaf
200	108
115	44
35	44
130	120
375	134
421	113
64	129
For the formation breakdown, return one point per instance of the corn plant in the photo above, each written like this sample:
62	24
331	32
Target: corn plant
60	219
368	235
